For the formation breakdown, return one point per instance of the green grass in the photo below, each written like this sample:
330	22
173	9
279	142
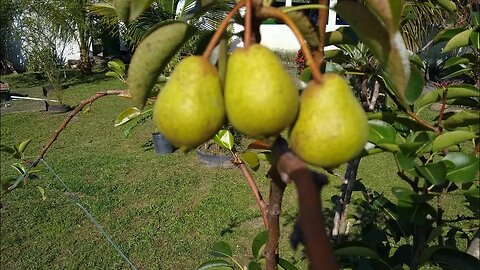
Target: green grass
164	212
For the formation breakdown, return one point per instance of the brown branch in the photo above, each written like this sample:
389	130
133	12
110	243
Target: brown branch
223	25
247	35
351	178
277	188
253	187
442	110
477	149
70	117
268	12
311	220
322	28
375	95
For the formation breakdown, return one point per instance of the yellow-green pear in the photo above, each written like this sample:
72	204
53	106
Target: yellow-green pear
261	99
332	127
189	109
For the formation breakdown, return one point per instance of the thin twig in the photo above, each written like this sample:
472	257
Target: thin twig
322	28
247	35
70	117
442	110
268	12
477	149
253	187
223	25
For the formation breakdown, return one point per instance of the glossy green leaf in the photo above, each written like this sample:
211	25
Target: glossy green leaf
435	173
436	232
475	17
417	61
407	195
286	265
224	138
406	163
112	74
306	28
137	7
306	75
23	145
151	57
126	116
389	12
457	73
454	91
357	248
416	213
409	148
462	119
381	132
215	265
390	147
448	5
221	249
465	168
116	65
450	258
251	159
415	85
455	61
332	67
446	35
475	38
451	138
253	265
461	39
367	26
258	244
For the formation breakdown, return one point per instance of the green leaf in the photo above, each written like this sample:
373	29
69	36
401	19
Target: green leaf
8	149
454	91
409	148
415	85
251	159
389	12
416	213
306	28
286	265
436	232
405	194
381	132
448	5
137	7
417	61
23	145
435	173
117	66
450	258
258	244
215	265
253	265
224	138
122	8
457	73
462	119
332	67
460	40
446	35
357	248
465	168
475	16
126	116
42	192
397	65
306	75
406	163
475	38
451	138
152	55
112	74
455	61
221	249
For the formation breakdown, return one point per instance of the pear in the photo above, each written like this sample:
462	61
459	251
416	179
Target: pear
332	127
189	109
261	99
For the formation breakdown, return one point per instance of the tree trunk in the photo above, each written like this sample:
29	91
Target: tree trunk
85	65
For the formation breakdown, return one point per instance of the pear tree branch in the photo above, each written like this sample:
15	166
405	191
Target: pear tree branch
70	116
322	28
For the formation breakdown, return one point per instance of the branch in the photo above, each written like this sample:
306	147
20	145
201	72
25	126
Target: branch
268	12
277	188
311	220
351	178
253	187
322	28
247	37
442	110
70	117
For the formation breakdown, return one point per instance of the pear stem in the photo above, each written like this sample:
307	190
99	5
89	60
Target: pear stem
247	35
221	28
322	28
276	13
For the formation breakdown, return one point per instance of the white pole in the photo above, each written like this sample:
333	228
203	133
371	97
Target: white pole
288	3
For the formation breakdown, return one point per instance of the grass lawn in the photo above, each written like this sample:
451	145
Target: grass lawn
164	212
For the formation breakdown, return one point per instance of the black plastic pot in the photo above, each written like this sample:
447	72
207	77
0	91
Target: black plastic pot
161	145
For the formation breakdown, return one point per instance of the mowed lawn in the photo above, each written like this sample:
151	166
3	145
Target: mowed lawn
164	212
